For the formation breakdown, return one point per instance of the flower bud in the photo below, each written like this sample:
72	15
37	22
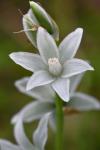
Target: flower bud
36	17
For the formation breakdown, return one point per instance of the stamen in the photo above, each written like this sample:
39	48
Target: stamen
34	28
55	67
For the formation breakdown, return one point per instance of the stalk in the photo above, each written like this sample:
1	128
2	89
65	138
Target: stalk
59	123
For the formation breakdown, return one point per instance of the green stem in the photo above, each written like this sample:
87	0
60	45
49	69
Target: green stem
59	124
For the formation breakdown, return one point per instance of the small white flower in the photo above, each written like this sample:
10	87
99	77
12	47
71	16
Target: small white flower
54	65
39	137
36	17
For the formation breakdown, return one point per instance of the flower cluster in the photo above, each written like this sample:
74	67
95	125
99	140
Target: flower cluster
55	71
45	101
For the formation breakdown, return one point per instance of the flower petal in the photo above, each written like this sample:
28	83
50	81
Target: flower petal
6	145
84	102
20	136
61	86
38	79
33	111
41	134
29	61
42	93
29	20
74	82
46	45
75	66
70	44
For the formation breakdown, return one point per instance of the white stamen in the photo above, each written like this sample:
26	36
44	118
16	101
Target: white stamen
55	67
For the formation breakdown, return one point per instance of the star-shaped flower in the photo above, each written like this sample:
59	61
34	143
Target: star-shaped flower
45	104
39	137
55	65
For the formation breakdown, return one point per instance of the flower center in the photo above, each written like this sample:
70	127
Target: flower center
55	67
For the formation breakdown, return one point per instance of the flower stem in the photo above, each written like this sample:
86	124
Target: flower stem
59	123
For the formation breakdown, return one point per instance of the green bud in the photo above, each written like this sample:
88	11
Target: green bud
41	16
36	17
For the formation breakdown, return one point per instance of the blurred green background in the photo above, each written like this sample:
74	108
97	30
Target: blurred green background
82	131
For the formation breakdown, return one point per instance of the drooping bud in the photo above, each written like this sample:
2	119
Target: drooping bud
55	67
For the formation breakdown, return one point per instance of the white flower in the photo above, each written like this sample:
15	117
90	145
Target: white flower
43	101
54	65
37	109
36	17
39	137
